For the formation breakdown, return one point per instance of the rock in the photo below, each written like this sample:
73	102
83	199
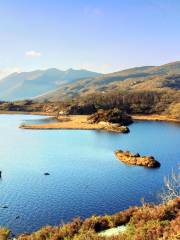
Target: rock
114	116
116	125
121	129
4	206
105	124
113	127
126	153
113	120
46	174
137	160
124	129
137	155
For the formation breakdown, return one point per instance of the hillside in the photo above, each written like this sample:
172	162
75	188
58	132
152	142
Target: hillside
26	85
55	85
142	78
143	90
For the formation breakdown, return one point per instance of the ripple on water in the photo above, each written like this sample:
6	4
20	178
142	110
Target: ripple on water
85	176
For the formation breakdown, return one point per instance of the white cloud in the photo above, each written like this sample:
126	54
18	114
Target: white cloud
7	71
33	53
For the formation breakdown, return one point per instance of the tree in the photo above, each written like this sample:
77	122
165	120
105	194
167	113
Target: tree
171	187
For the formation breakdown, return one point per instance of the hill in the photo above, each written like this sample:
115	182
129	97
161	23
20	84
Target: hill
26	85
143	90
141	78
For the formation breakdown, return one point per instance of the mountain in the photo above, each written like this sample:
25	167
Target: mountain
54	85
25	85
140	78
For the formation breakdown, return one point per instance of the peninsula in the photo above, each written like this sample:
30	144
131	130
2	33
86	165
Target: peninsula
77	122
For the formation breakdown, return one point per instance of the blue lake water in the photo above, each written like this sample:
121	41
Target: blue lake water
85	176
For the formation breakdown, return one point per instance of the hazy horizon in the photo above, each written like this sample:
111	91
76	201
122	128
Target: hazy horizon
81	69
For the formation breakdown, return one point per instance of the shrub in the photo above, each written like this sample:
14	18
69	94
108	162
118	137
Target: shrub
148	222
113	116
4	233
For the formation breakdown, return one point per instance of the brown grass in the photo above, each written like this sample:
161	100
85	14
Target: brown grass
73	122
80	122
155	117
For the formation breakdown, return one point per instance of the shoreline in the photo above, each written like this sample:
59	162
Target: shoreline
75	122
71	122
152	117
112	225
155	117
79	122
27	113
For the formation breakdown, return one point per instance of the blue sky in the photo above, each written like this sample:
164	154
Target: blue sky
101	35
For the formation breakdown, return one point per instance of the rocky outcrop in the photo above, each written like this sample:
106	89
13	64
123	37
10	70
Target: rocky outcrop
46	174
114	127
111	120
112	116
137	160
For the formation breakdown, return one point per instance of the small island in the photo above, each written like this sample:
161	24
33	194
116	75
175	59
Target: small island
137	160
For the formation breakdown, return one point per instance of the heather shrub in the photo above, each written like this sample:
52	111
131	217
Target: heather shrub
4	233
148	222
89	235
123	217
151	230
97	223
70	229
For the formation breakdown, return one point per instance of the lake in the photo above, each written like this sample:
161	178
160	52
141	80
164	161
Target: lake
85	176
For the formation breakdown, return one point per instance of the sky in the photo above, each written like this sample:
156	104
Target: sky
98	35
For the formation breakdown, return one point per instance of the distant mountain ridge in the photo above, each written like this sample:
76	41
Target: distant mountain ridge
55	85
166	76
26	85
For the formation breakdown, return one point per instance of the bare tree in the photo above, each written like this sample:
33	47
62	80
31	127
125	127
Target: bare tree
171	187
